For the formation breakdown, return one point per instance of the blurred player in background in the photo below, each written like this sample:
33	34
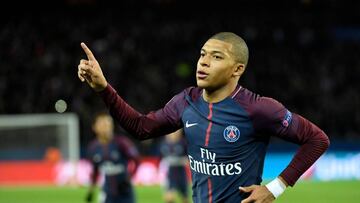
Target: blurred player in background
116	158
174	157
227	127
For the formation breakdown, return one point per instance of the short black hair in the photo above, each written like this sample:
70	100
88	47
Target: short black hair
240	49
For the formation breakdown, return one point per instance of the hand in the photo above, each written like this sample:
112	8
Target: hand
258	194
90	71
89	196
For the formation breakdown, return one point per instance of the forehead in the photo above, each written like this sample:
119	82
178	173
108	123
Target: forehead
217	45
103	118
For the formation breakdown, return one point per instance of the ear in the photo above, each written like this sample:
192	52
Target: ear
239	69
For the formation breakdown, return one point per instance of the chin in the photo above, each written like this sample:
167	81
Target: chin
201	84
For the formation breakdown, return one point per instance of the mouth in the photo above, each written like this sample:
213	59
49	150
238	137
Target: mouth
201	75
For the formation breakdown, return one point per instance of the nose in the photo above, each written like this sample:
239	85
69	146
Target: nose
204	61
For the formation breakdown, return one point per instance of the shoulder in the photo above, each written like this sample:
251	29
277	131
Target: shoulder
122	140
127	146
179	102
255	104
92	148
92	144
246	97
192	93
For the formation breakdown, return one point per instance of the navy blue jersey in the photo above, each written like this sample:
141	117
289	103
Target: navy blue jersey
112	161
173	152
226	140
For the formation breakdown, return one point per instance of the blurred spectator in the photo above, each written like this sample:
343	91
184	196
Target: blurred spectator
114	157
174	157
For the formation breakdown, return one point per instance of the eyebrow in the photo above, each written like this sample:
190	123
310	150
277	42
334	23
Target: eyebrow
214	52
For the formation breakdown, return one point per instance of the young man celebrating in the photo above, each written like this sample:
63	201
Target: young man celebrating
227	127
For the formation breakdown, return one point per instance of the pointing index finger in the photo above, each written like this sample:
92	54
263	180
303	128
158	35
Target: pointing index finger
88	52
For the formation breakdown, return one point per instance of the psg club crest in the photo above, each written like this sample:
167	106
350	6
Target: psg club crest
231	133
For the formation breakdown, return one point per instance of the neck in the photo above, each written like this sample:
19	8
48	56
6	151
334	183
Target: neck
213	96
104	139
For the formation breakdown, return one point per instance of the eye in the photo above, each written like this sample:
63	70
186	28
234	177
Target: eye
202	54
218	57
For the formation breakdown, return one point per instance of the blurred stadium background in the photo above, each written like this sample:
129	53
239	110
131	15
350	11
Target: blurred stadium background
304	53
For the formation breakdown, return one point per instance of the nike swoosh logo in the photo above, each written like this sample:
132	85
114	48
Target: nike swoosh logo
188	125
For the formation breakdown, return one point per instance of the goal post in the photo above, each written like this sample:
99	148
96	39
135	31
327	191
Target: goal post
24	131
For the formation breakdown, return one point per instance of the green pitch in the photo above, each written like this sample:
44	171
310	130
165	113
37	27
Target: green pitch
303	192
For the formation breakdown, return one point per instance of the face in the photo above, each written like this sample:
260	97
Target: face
216	65
175	136
103	126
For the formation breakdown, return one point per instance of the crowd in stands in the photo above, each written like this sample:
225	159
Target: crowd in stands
305	57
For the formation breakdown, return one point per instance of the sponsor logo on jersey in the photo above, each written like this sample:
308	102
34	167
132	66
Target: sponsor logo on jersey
231	133
287	119
208	165
188	125
110	168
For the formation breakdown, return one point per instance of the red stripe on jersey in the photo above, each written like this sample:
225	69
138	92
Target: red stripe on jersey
210	190
209	126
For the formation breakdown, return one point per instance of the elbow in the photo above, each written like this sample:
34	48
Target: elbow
324	141
327	142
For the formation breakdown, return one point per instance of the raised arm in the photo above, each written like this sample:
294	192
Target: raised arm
141	126
145	126
89	70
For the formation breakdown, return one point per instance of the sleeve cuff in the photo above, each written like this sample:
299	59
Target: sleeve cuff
107	91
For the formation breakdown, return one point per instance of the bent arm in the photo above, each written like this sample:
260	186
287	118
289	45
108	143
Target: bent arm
142	126
313	143
272	117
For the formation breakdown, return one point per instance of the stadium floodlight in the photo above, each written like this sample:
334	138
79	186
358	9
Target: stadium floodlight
36	132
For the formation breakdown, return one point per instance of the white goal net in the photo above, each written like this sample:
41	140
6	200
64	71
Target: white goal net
29	136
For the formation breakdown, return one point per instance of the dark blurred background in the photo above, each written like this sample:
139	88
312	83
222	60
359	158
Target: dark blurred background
304	53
